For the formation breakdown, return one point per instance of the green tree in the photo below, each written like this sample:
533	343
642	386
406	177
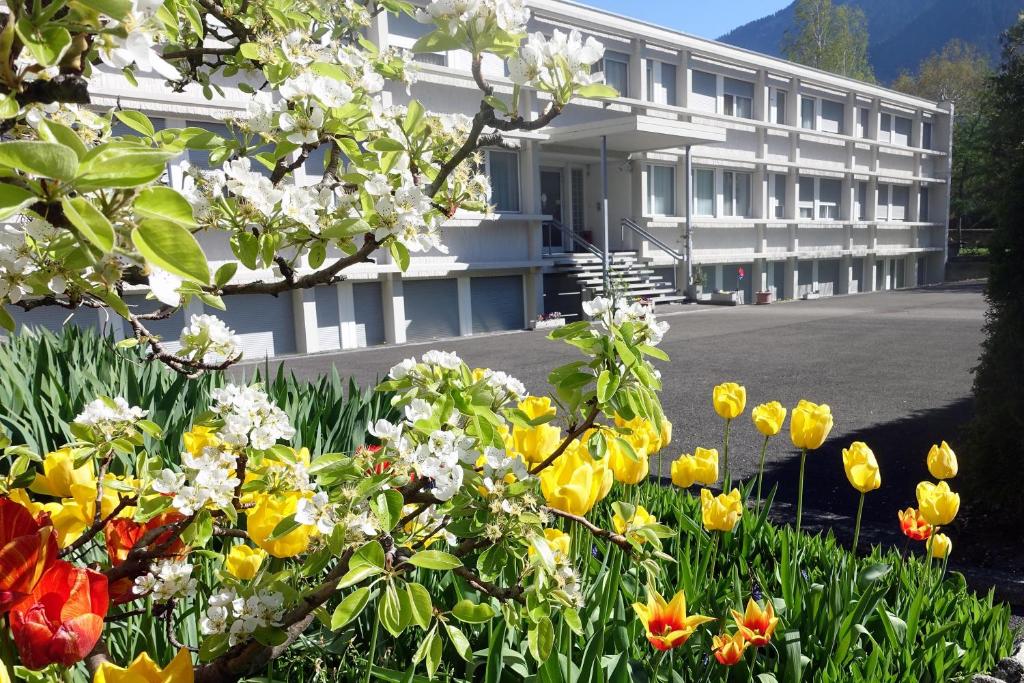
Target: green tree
960	74
997	432
830	37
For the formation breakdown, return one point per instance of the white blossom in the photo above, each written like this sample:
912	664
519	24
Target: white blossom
209	337
401	370
442	359
317	511
166	580
250	419
418	409
109	416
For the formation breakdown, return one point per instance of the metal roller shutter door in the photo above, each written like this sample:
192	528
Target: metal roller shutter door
805	277
431	309
828	277
369	313
859	284
264	324
497	303
168	329
53	318
778	280
328	329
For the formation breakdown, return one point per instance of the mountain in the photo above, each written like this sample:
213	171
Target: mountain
901	33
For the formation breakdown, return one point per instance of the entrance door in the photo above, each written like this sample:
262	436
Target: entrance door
551	205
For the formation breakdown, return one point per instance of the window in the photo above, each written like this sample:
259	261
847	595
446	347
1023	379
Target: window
923	210
882	213
616	71
830	192
807	112
704	87
900	203
779	195
661	82
862	200
503	172
704	192
863	122
832	116
736	194
926	135
435	58
901	131
780	107
806	202
661	182
885	128
739	98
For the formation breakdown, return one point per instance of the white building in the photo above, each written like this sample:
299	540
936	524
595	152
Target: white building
802	181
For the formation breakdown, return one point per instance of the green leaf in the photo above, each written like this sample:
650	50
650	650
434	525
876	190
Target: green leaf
387	507
434	559
51	131
13	199
350	608
45	159
460	642
164	203
385	145
400	254
541	637
391	610
115	9
137	121
8	106
171	247
472	613
47	43
121	165
421	604
90	221
225	273
438	41
283	528
597	90
6	321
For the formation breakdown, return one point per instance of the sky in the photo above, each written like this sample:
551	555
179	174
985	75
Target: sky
704	18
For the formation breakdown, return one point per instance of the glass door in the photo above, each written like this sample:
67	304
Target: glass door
551	205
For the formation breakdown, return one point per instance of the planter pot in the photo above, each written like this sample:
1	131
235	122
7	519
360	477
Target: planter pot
694	291
764	298
727	298
548	324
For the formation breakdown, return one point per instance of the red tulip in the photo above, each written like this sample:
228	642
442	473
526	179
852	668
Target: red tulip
28	546
123	533
62	618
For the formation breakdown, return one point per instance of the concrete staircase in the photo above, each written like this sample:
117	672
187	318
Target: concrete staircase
579	277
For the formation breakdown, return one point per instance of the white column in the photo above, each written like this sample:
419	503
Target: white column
377	31
637	71
790	286
683	79
307	333
761	108
393	304
465	306
347	315
793	103
845	274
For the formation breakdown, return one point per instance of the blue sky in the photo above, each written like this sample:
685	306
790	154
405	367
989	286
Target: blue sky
705	18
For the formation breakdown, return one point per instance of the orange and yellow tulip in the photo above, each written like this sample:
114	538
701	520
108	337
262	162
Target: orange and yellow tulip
666	623
28	547
914	525
728	650
757	625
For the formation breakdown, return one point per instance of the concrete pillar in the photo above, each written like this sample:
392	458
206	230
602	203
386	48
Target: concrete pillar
850	116
637	71
465	306
790	286
759	193
393	304
914	210
307	333
845	275
762	110
347	315
683	79
377	31
758	278
846	203
793	103
814	275
533	294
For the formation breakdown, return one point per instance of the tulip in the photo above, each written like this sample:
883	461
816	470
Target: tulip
768	418
535	444
700	468
78	512
60	473
721	512
666	623
574	482
665	433
728	650
267	512
61	620
809	426
122	534
557	540
199	438
729	399
144	670
28	546
937	504
641	518
863	474
626	468
942	461
940	546
244	561
913	525
757	625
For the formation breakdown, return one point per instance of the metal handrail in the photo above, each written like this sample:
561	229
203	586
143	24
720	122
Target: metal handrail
632	225
573	236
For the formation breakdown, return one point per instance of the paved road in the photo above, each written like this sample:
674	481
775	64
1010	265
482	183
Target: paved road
895	367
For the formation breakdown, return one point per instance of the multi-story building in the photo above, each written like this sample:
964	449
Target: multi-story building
750	172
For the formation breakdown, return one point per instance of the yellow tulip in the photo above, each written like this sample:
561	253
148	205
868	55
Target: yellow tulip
72	516
626	469
557	540
574	482
730	399
665	433
861	467
199	438
144	670
20	496
942	461
769	417
940	546
810	425
267	513
644	436
244	561
641	518
937	503
666	623
721	512
60	473
604	473
535	444
699	468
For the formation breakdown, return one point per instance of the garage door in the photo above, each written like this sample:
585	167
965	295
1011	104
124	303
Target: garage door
264	324
431	309
805	275
859	284
828	277
497	303
328	329
53	318
369	313
778	279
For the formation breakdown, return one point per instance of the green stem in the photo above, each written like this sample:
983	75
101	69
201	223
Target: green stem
657	665
760	471
800	491
725	459
856	527
373	641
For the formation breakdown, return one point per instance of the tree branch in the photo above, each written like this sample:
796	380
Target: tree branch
617	539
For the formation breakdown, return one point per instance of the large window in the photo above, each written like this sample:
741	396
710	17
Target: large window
806	202
901	130
900	203
661	181
778	195
738	98
616	71
704	90
503	172
862	200
830	192
661	82
807	114
832	116
736	194
780	107
863	122
885	128
704	192
926	135
882	214
924	210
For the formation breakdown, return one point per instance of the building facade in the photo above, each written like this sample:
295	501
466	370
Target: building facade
750	172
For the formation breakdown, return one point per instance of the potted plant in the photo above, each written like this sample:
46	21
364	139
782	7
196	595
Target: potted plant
547	321
696	287
764	297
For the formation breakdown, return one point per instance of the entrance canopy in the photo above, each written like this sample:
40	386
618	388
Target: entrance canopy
637	133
